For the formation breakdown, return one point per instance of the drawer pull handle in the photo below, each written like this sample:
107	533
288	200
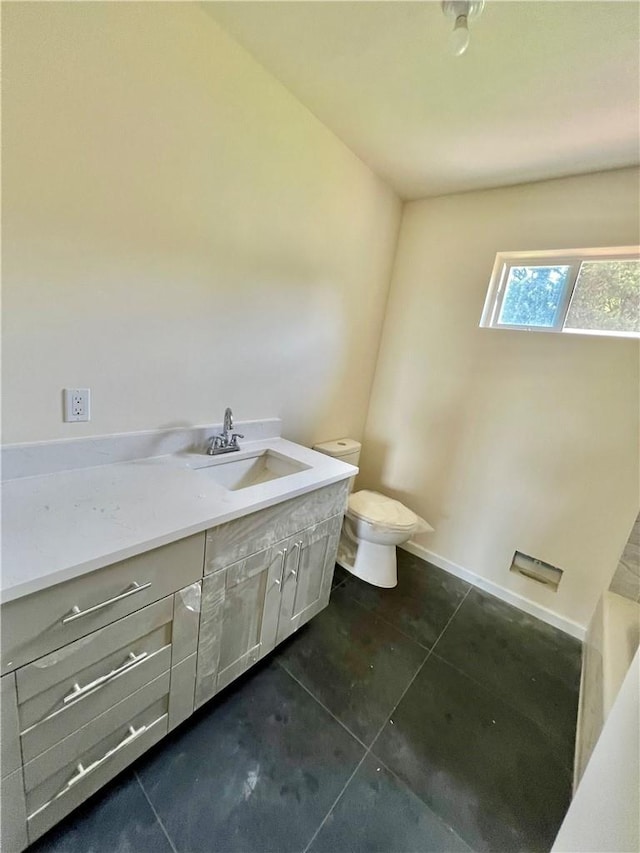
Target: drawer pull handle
82	771
76	613
78	691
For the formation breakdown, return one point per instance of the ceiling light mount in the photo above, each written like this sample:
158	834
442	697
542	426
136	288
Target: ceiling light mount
461	11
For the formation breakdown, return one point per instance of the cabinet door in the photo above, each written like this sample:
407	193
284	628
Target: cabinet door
239	619
308	571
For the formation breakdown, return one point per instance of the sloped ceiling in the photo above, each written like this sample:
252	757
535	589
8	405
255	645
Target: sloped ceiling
546	89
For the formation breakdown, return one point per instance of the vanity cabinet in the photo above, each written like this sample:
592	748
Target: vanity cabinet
252	603
99	668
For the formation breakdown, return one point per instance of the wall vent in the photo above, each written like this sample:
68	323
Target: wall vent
536	570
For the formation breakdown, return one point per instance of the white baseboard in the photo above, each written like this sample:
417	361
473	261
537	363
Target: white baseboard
519	601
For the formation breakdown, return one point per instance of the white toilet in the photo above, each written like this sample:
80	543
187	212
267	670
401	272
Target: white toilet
373	525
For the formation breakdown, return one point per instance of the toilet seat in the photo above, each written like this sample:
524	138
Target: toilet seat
382	511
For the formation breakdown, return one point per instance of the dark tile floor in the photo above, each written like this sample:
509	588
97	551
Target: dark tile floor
430	717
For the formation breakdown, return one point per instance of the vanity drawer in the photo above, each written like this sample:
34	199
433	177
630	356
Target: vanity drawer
84	775
37	624
40	774
64	690
230	542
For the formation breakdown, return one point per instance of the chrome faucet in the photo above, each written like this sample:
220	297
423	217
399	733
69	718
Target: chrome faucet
228	421
226	441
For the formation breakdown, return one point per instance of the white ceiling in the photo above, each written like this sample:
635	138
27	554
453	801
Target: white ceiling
547	88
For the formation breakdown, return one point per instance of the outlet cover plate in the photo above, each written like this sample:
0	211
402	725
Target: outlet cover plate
77	404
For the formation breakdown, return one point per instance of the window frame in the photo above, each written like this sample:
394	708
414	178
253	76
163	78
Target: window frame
573	258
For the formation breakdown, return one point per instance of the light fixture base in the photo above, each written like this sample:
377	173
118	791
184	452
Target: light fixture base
469	8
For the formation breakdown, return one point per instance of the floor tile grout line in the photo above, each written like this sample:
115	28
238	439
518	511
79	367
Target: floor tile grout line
450	620
426	649
485	687
387	622
418	671
369	748
480	684
413	794
393	625
393	710
545	731
322	705
157	816
335	802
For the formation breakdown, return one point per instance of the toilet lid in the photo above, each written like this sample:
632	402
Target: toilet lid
378	509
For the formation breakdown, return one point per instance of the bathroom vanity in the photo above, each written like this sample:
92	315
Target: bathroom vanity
118	623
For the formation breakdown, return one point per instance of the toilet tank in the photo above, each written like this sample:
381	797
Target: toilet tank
346	449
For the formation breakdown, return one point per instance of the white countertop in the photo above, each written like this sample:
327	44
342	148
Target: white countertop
65	524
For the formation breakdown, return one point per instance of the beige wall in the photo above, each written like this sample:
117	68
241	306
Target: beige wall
508	440
179	233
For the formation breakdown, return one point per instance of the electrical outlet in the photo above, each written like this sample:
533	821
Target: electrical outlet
77	404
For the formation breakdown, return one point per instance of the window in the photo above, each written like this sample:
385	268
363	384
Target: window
580	291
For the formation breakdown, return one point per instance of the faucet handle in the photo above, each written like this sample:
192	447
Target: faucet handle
235	437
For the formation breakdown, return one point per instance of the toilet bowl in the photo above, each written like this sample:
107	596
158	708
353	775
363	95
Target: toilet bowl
373	526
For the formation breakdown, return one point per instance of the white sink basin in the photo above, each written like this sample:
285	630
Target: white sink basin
261	467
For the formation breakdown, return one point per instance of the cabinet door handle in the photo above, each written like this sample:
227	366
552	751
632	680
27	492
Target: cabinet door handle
82	771
283	555
78	691
76	613
294	572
